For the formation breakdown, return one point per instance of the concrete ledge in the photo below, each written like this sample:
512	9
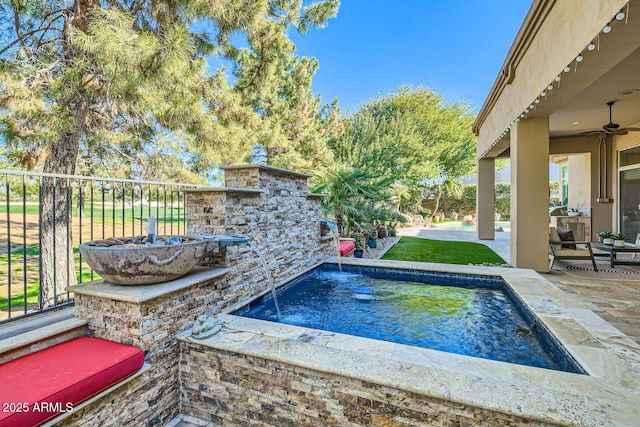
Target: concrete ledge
40	338
18	327
142	293
222	190
268	168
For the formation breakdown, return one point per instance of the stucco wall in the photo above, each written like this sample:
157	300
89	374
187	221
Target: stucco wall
567	29
601	213
580	181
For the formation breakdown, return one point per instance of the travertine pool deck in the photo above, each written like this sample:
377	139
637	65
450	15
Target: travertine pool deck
607	396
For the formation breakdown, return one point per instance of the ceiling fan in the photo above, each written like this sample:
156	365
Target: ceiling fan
614	128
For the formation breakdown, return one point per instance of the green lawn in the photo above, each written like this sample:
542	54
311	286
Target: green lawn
162	215
441	251
33	278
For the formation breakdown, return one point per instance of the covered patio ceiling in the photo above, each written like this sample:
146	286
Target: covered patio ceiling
577	104
588	111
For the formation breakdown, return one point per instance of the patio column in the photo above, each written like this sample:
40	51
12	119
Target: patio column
486	199
530	194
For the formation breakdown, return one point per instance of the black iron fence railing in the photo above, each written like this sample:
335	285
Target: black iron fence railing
44	218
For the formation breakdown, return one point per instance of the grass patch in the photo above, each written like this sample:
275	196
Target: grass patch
106	212
33	292
441	251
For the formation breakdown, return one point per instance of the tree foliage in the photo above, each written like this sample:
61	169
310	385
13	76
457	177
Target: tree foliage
355	197
123	88
117	80
412	137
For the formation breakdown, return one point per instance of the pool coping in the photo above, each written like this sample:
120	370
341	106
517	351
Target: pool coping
608	395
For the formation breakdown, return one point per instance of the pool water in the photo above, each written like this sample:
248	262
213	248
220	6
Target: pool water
466	226
469	316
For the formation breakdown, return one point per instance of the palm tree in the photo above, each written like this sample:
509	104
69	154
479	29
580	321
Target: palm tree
351	195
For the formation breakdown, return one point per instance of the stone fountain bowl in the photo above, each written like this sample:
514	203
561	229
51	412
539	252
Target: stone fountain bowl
132	261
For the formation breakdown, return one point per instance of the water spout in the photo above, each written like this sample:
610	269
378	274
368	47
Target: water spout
226	241
151	229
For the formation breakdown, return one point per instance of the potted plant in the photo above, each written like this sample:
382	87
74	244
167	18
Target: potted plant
618	240
392	230
607	237
358	241
382	232
372	236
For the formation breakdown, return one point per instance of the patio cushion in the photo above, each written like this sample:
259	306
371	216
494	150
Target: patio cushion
554	239
346	247
566	236
48	382
571	252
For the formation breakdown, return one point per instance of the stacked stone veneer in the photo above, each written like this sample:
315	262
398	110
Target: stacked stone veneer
273	209
152	325
234	389
269	206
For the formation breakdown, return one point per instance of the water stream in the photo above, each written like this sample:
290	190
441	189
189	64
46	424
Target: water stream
269	277
225	241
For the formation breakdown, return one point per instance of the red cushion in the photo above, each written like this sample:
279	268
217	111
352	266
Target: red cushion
346	247
62	376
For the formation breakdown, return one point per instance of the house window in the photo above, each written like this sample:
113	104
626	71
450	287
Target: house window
629	169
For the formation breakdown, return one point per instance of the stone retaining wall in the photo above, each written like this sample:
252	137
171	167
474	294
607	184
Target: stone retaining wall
152	326
234	389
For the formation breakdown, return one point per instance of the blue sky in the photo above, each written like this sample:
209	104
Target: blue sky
372	47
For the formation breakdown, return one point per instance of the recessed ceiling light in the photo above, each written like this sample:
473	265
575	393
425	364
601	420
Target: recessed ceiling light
628	91
575	123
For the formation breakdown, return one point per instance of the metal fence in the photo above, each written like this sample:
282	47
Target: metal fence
44	218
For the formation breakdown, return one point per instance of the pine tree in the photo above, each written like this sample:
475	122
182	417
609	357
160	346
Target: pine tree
88	76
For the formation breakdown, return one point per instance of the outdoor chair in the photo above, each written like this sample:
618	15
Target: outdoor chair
568	248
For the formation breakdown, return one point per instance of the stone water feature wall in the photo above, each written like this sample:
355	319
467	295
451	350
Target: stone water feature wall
270	207
273	209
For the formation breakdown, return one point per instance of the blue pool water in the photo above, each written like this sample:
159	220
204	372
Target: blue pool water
456	313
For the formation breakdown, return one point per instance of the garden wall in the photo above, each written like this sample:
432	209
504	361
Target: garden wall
235	389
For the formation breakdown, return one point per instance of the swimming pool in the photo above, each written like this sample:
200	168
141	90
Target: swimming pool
473	315
466	226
